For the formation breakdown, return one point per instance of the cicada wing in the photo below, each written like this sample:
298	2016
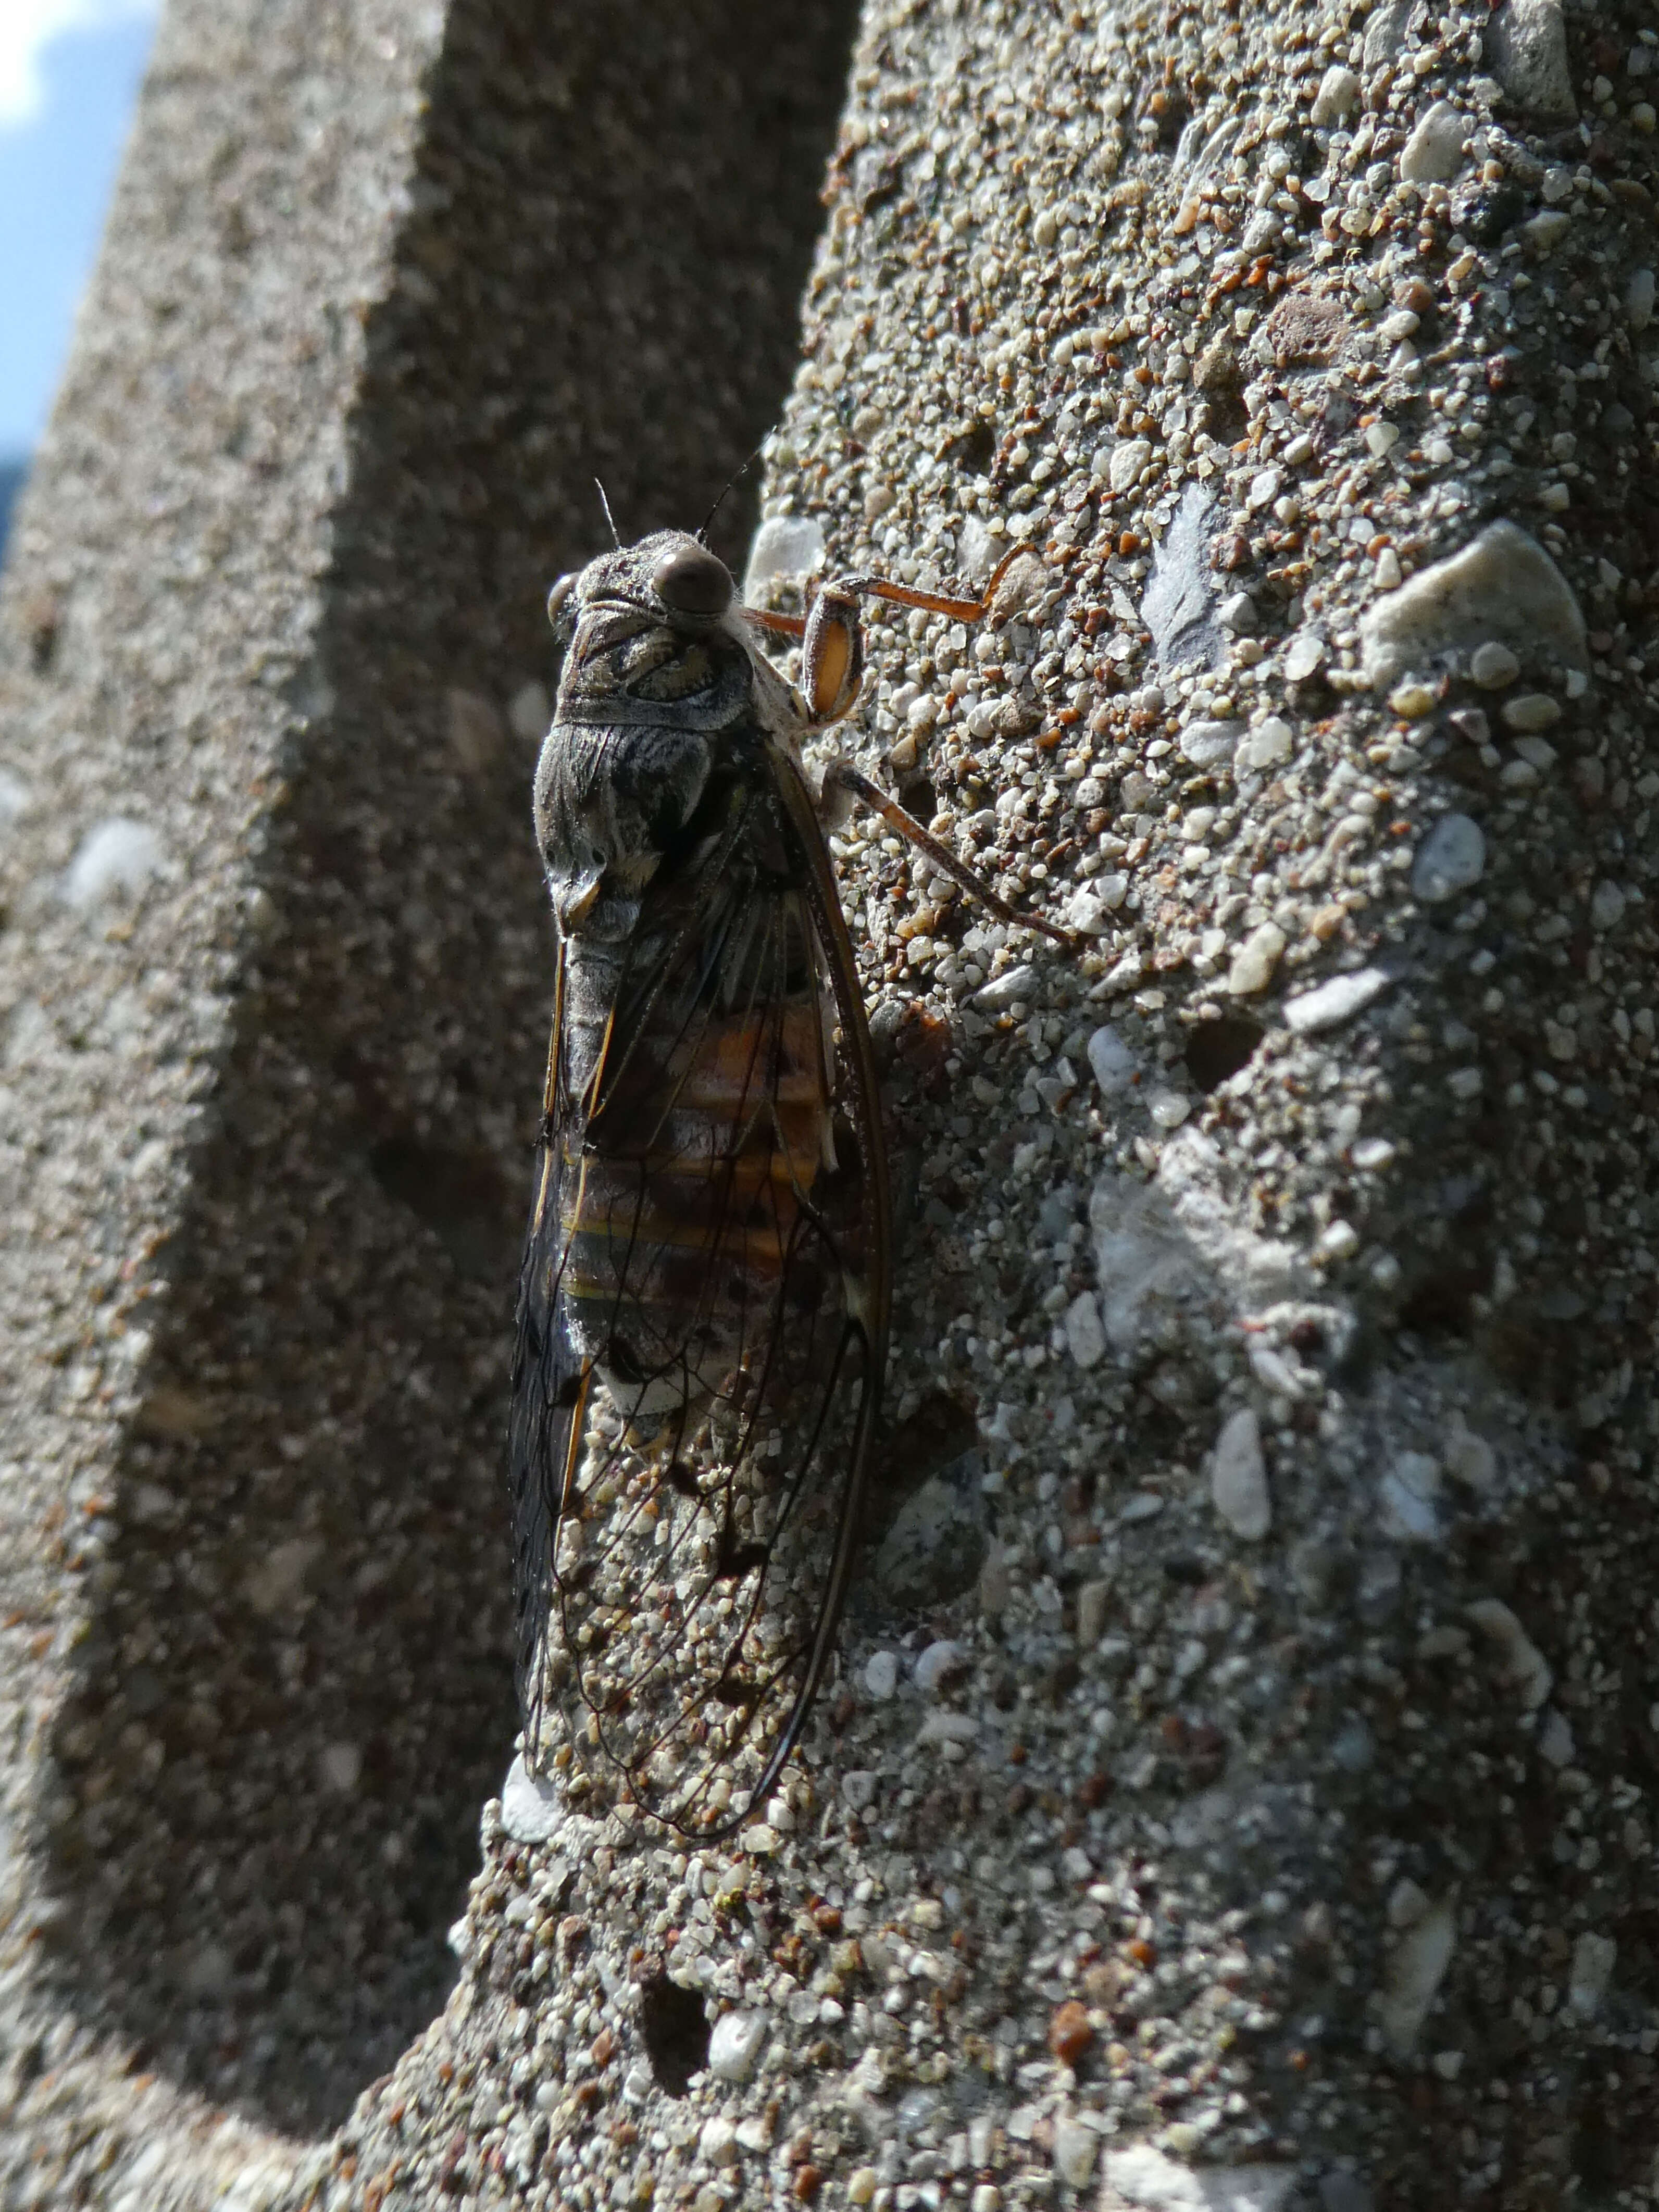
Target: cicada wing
547	1416
725	1270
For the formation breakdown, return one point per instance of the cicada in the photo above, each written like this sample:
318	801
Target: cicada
705	1297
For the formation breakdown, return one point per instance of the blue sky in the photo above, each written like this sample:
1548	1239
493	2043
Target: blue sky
68	75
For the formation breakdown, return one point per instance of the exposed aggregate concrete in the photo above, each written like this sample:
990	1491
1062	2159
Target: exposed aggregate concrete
1255	1809
1268	1824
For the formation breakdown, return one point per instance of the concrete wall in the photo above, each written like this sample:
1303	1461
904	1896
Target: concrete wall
384	288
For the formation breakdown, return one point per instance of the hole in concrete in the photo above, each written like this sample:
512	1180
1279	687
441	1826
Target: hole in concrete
675	2030
295	1690
1217	1049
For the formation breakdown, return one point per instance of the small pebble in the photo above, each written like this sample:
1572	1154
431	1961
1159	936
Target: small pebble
1238	1477
1269	743
1407	1903
1525	1668
1302	654
1008	990
1593	1958
734	2045
1451	859
1337	1001
1253	964
1433	154
1204	743
114	861
1531	711
532	1807
784	545
1338	96
1407	1492
1411	701
718	2142
1414	1971
1555	1745
1468	1458
1501	586
1607	906
1547	229
1086	1335
1493	665
529	711
881	1674
1112	1061
1525	47
1168	1110
1094	1606
1127	461
340	1767
1069	2031
1075	2149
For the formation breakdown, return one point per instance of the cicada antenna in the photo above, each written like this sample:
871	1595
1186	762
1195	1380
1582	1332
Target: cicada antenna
611	523
732	481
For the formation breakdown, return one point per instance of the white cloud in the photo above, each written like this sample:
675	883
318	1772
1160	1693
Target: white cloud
27	27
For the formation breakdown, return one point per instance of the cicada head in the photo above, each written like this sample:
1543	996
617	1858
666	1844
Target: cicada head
651	634
657	684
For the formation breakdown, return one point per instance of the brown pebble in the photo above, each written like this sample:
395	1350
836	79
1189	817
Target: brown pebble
603	2044
1069	2031
808	2182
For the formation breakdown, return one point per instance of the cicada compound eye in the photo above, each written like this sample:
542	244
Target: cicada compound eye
692	581
559	595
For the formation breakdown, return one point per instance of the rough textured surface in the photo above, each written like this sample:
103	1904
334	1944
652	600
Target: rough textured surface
384	288
1215	1867
1168	1864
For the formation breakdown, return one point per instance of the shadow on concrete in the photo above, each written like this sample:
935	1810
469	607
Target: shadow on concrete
263	1809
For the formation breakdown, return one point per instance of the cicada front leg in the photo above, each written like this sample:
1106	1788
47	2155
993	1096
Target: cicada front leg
832	637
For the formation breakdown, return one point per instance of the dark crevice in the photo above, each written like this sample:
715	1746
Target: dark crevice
1217	1049
675	2031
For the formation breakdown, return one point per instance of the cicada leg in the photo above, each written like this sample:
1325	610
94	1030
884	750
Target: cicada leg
839	778
832	670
